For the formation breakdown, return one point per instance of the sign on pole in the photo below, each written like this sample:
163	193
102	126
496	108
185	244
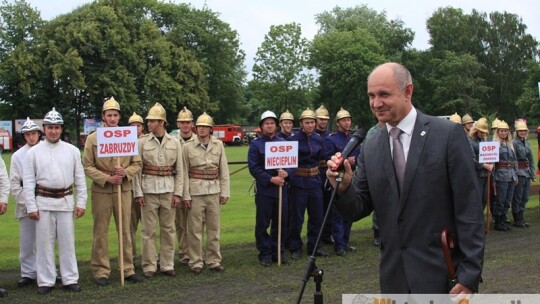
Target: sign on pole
111	142
489	152
117	141
281	154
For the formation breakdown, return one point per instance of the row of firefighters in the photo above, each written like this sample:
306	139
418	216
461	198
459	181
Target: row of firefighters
179	184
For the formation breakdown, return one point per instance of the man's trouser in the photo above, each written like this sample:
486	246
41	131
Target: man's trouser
205	210
267	214
310	199
27	245
52	226
181	232
157	207
103	205
135	219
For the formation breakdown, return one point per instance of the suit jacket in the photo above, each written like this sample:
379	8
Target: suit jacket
440	190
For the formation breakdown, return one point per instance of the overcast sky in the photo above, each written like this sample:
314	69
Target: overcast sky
252	18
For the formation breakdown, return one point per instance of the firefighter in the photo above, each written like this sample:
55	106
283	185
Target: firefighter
206	188
480	133
267	193
525	171
158	190
184	122
323	116
106	175
505	176
306	186
51	170
4	193
136	121
467	122
286	124
336	142
31	134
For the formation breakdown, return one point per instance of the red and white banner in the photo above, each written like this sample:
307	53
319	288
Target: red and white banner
489	152
281	154
117	141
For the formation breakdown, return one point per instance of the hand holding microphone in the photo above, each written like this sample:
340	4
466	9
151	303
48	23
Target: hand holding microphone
356	139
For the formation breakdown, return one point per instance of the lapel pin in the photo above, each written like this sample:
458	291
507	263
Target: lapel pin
423	133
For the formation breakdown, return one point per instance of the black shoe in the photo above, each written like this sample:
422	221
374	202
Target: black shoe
350	248
134	278
3	293
25	281
321	253
341	252
266	262
103	281
44	290
73	288
297	254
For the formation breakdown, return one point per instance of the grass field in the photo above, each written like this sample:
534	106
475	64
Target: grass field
238	218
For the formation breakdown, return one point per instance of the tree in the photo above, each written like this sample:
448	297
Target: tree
281	79
499	42
529	101
344	60
391	35
458	85
217	47
20	67
109	48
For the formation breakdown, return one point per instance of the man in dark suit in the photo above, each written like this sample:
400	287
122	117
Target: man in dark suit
437	190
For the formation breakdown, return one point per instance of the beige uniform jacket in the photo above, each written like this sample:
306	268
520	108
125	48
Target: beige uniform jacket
154	153
99	169
196	156
182	141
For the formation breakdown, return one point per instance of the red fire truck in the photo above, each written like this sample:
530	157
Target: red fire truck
229	134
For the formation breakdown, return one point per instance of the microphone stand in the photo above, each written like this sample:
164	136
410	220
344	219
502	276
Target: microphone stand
311	268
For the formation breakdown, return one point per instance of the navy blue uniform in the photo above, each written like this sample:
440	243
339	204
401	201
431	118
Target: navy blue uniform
341	228
266	200
326	192
306	190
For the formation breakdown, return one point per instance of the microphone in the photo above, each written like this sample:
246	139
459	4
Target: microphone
356	139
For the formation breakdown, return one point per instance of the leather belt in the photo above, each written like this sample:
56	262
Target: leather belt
54	193
158	170
523	165
505	165
307	172
323	164
208	174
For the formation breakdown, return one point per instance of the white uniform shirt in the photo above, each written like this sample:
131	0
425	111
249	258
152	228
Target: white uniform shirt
56	166
4	182
16	178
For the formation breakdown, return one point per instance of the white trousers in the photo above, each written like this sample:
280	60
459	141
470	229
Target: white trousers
27	245
52	226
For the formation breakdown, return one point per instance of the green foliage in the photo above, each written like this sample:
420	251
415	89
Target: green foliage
281	80
458	85
501	46
344	59
391	35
